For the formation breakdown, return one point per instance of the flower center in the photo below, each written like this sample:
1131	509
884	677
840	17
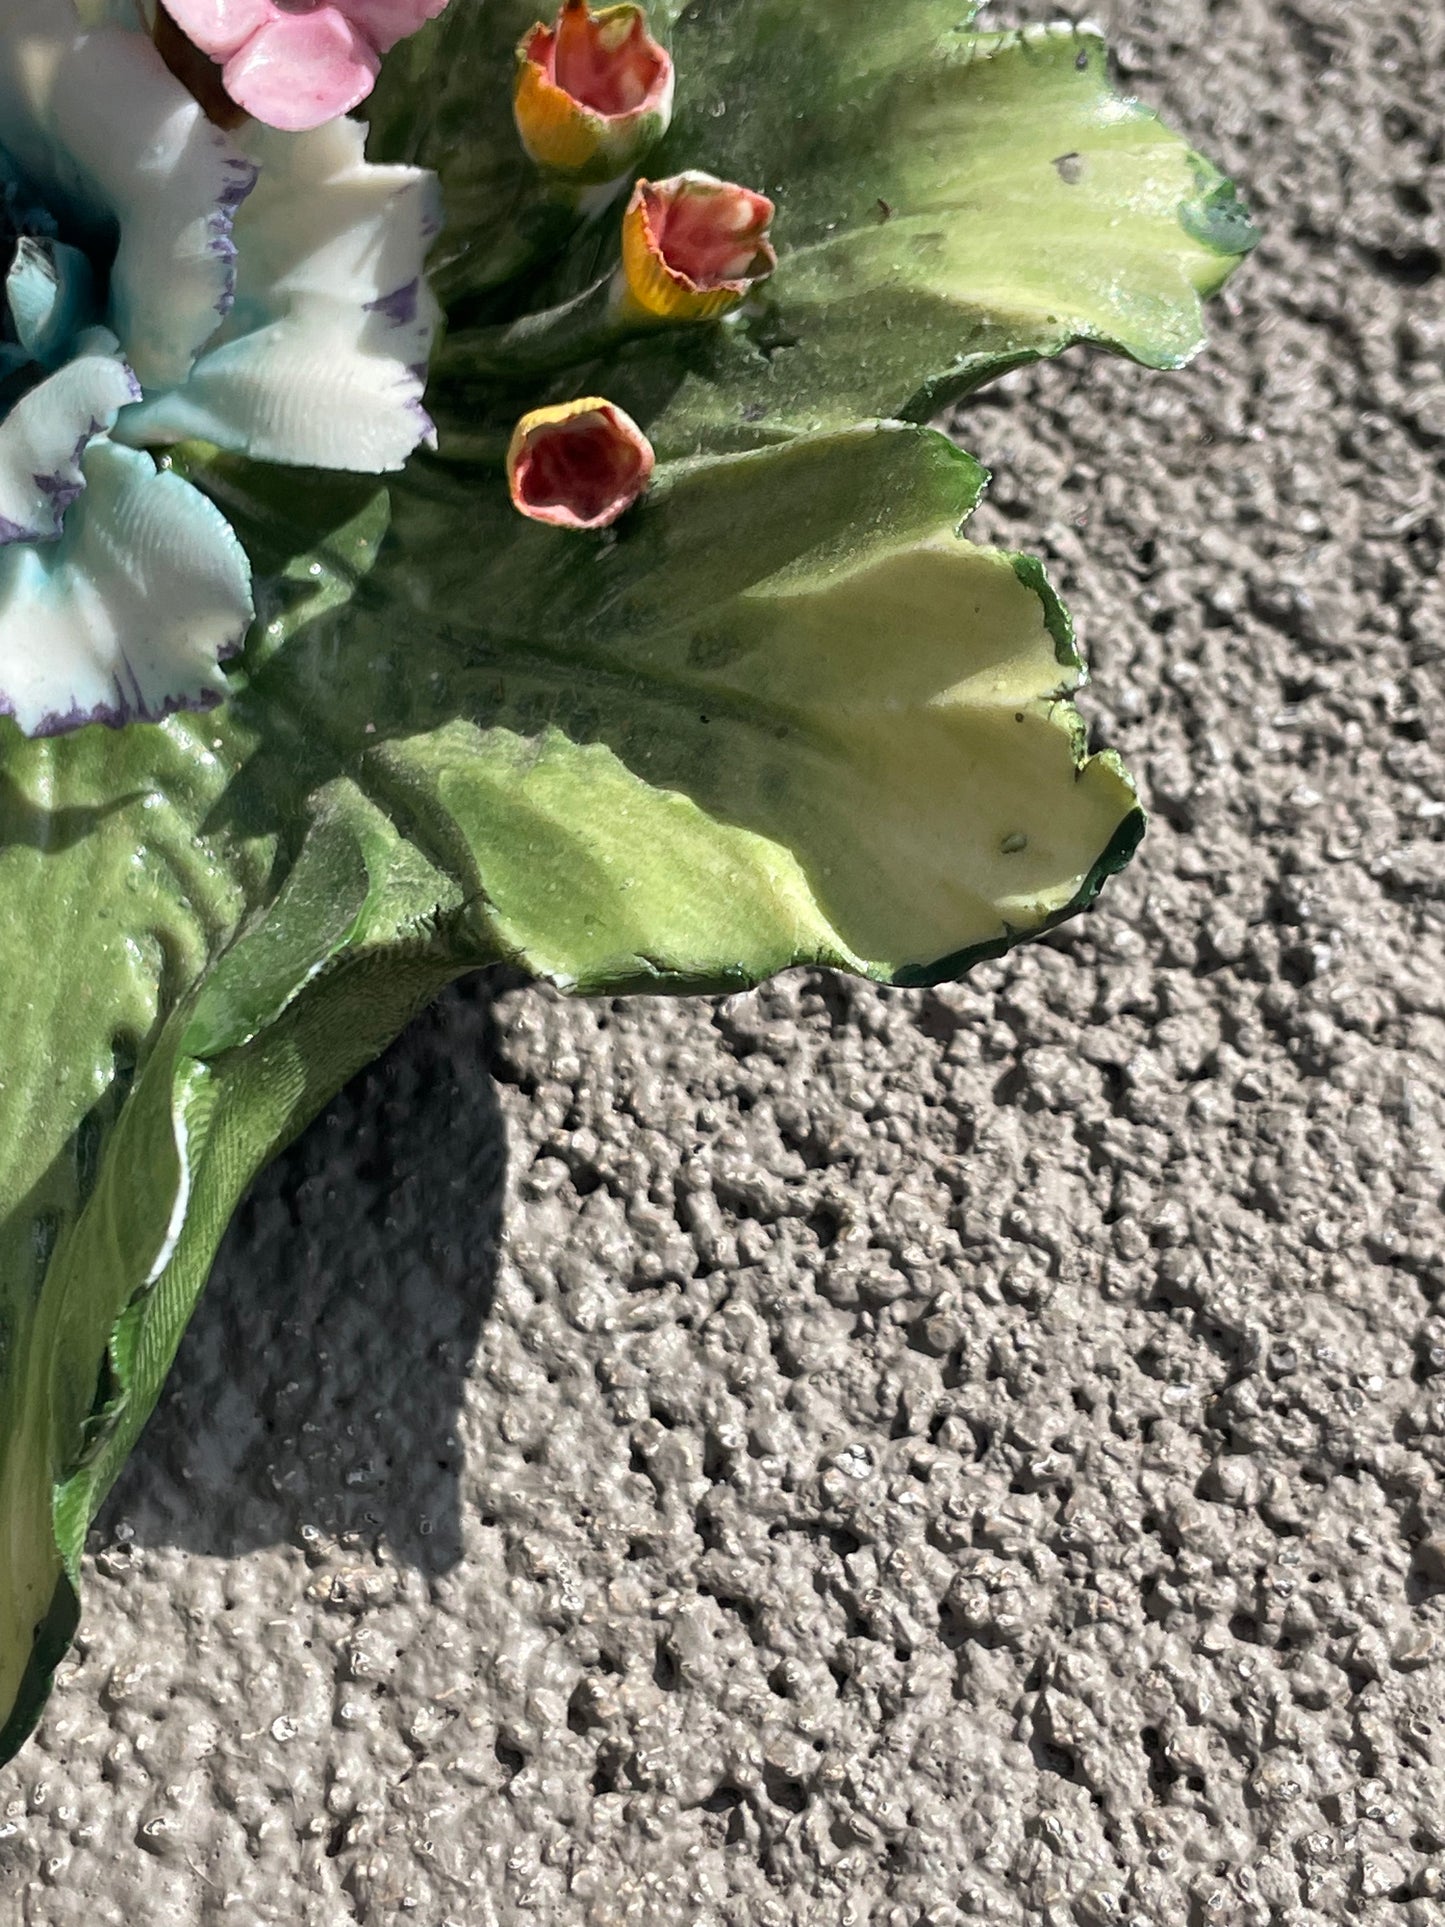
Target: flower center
711	236
607	64
13	222
581	466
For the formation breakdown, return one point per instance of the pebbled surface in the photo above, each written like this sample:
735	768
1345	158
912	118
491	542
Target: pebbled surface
917	1459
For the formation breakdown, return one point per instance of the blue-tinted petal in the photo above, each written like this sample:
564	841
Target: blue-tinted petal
129	615
46	433
106	135
50	290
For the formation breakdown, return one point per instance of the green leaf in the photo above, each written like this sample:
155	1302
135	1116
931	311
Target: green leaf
706	700
787	715
968	203
950	206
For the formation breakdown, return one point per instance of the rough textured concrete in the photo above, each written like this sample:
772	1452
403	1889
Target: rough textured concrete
920	1459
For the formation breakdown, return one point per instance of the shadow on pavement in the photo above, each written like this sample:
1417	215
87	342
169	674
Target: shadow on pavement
318	1386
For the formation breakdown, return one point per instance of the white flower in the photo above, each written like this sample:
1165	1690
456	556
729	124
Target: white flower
164	281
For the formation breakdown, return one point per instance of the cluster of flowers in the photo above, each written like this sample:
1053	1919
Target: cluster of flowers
593	94
194	248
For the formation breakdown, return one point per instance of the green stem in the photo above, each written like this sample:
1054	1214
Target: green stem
536	344
544	217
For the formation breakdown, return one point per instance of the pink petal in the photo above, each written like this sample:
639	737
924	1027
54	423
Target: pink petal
302	69
608	62
221	28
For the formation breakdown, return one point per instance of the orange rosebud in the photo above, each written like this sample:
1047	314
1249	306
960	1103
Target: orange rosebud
693	246
593	92
579	465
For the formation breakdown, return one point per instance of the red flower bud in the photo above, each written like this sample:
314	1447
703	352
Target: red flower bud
593	92
693	246
578	466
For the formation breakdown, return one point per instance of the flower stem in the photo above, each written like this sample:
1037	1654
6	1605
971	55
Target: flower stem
536	344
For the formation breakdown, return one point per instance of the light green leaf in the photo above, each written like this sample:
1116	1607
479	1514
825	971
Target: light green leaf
973	202
707	700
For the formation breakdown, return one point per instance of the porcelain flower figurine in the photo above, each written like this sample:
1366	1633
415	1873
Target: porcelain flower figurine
165	280
693	247
296	65
672	669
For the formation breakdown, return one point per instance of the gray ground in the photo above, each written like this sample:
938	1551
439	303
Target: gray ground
919	1459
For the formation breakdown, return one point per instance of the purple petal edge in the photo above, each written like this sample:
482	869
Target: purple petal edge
220	242
60	723
400	306
136	710
59	489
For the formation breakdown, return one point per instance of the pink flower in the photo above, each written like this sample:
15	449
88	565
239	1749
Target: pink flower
593	91
693	246
579	465
297	63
